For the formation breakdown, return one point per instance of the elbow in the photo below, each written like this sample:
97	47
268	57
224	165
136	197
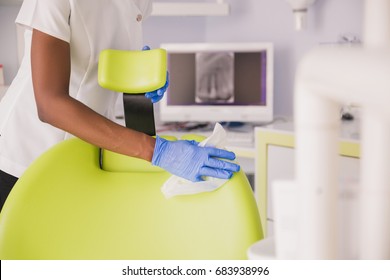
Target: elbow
45	111
49	106
42	114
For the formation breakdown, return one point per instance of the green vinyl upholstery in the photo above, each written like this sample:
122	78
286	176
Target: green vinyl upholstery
66	207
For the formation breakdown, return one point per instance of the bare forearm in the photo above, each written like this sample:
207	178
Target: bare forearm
86	124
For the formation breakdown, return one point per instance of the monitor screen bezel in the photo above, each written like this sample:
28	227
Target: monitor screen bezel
210	113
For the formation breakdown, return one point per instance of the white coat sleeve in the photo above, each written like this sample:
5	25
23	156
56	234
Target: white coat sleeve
48	16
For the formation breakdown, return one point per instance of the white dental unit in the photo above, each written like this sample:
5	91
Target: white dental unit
328	77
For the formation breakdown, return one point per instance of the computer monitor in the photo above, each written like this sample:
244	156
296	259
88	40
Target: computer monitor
219	82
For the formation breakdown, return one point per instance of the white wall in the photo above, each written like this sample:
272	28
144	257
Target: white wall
250	20
266	20
8	41
272	20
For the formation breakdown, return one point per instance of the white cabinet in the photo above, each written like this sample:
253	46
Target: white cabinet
275	160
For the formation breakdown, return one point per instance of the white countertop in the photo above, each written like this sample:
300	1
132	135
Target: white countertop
349	129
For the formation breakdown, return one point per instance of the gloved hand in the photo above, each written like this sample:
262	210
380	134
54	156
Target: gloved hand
187	160
158	94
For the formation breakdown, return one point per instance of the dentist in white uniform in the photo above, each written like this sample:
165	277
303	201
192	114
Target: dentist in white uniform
55	93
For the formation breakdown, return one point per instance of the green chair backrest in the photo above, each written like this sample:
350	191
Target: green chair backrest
66	206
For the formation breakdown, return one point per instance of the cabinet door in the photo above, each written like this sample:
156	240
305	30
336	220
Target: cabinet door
281	166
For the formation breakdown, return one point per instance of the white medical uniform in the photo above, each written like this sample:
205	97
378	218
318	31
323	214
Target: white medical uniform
89	26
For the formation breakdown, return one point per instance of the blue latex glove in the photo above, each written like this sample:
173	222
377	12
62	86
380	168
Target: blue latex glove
157	95
187	160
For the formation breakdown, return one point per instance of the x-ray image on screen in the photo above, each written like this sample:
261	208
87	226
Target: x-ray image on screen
218	82
214	77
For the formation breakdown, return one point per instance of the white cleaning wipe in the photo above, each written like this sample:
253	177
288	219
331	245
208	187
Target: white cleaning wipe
178	186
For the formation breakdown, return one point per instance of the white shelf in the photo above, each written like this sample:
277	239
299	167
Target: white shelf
190	9
219	8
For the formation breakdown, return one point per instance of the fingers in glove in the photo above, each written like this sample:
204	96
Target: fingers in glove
222	164
216	173
220	153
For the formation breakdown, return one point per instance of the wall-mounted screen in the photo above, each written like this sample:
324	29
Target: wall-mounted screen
219	82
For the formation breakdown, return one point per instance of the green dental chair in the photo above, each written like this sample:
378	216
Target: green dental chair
79	202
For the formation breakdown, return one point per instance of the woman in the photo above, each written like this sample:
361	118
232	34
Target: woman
55	93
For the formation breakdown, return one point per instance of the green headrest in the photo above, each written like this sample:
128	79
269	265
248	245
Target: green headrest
132	72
